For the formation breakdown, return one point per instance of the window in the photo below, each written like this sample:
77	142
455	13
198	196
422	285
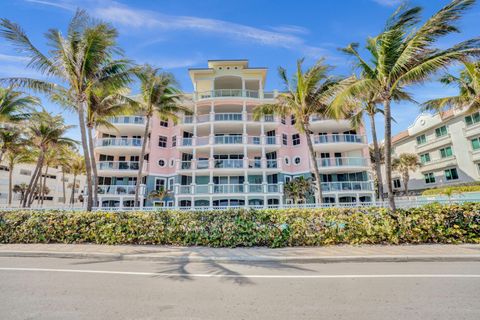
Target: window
161	163
296	160
396	183
172	162
164	123
174	141
162	141
472	119
421	139
4	168
446	152
288	179
296	139
451	174
287	160
424	158
285	139
283	120
171	182
25	172
160	183
440	132
429	177
475	143
293	120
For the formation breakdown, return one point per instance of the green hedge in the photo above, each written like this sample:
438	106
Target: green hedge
453	189
233	228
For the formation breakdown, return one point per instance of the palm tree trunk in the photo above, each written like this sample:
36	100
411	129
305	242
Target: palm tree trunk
141	160
31	185
376	151
72	197
63	186
42	190
40	187
10	183
318	181
406	178
86	154
31	196
388	152
94	166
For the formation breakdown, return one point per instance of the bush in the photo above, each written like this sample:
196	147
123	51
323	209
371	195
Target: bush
452	190
235	228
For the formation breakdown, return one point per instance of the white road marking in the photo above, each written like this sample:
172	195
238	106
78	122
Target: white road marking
267	276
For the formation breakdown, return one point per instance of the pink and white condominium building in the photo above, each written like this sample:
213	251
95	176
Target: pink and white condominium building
220	156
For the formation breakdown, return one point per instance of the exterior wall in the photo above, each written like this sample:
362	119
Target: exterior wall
464	159
22	174
225	96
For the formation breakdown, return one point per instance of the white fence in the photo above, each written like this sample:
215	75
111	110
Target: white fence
402	203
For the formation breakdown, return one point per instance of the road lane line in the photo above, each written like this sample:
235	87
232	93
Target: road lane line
206	275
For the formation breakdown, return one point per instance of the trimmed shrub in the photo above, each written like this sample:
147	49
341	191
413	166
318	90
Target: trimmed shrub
245	228
452	189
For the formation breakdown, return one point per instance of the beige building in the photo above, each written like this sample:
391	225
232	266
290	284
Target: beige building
448	147
22	173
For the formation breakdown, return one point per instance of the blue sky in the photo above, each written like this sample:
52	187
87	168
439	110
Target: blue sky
177	35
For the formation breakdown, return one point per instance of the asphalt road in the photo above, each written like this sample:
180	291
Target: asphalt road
50	288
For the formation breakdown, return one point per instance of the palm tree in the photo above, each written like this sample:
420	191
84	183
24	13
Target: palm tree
404	54
15	105
468	84
377	159
158	95
20	188
405	163
77	167
308	93
80	60
299	189
15	154
10	138
160	194
45	131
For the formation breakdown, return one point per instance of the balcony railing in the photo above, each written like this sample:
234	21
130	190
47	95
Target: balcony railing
204	164
237	116
342	162
127	120
228	139
119	190
119	165
339	138
119	142
228	163
225	93
347	186
228	117
229	188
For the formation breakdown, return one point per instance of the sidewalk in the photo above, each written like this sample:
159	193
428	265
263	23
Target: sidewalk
330	254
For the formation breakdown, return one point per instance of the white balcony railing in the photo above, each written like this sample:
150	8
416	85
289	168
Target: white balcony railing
229	188
119	190
120	165
339	138
228	140
119	142
127	120
347	186
205	164
225	93
218	117
228	117
342	162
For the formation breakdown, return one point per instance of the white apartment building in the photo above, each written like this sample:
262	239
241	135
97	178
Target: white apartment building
22	174
448	146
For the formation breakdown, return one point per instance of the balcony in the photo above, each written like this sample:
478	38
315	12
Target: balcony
339	142
227	141
118	190
342	164
350	186
128	125
434	143
229	165
327	124
440	163
118	145
218	189
222	118
234	93
471	130
129	168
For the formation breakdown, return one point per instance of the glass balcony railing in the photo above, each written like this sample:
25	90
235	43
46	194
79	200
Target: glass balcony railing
127	120
228	117
228	163
342	162
228	140
119	142
347	186
118	165
225	93
339	138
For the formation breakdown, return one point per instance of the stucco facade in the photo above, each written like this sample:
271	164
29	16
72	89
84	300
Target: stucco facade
221	156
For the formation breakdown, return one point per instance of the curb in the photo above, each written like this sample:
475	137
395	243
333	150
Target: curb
241	259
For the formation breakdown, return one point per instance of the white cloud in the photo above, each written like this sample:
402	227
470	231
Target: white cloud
60	4
174	63
288	28
9	58
388	3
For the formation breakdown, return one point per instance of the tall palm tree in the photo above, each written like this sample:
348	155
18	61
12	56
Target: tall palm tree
308	93
15	105
159	96
404	54
20	188
299	189
79	61
405	163
16	153
77	167
468	83
45	131
377	159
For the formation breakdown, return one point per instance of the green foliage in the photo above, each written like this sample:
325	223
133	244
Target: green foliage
449	191
245	228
